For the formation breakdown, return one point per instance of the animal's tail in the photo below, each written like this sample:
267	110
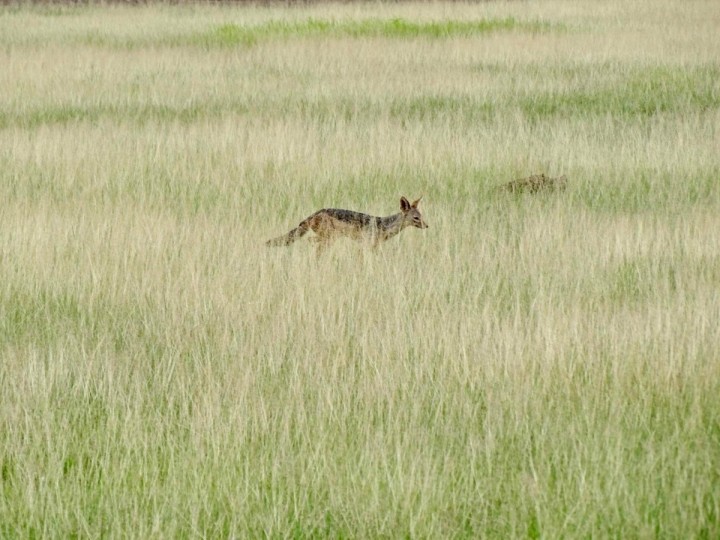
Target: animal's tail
289	238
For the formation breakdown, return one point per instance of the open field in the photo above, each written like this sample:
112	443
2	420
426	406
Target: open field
528	366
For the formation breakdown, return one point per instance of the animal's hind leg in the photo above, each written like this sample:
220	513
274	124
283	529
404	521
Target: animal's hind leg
322	243
321	225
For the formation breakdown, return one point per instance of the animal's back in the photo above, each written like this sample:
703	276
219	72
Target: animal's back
349	216
330	222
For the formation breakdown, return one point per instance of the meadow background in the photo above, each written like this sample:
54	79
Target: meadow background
529	366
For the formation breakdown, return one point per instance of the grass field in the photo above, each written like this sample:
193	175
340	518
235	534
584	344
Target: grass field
528	366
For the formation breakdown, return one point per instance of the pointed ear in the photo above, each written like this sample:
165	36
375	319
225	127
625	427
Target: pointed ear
415	204
404	204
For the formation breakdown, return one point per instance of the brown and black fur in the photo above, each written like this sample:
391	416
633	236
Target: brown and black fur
331	223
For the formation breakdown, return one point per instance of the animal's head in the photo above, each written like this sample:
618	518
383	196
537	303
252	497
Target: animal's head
411	213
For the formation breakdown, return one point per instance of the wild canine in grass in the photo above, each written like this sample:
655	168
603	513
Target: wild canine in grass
331	223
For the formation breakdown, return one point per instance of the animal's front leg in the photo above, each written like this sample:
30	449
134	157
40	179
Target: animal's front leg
322	245
377	241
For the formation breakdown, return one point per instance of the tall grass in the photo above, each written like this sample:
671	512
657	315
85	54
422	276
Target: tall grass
529	366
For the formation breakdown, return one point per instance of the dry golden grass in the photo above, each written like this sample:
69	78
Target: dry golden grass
528	366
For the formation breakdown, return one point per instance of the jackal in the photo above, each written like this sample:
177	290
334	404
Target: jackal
331	223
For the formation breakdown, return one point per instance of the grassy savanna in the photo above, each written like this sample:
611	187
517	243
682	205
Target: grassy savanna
529	366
